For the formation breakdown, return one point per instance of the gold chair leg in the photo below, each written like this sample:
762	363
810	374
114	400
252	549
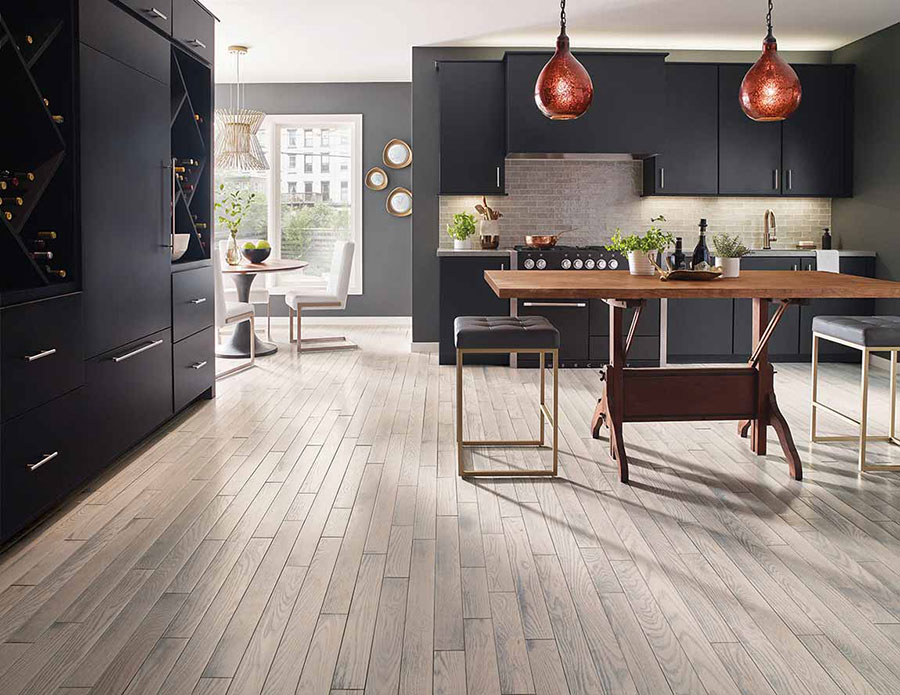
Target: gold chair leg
864	409
814	389
893	430
555	411
543	402
459	411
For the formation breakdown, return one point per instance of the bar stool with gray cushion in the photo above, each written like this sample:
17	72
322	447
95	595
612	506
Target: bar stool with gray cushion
507	334
867	334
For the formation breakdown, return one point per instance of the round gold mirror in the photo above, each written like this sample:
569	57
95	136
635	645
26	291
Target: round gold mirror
399	202
397	154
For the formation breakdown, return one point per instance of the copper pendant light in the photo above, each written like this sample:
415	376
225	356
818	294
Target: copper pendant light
563	90
770	91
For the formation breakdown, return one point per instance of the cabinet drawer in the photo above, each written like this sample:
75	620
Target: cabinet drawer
193	366
193	302
40	460
42	353
130	392
108	29
194	27
157	13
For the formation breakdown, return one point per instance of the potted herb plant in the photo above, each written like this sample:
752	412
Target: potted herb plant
729	250
233	206
640	247
460	229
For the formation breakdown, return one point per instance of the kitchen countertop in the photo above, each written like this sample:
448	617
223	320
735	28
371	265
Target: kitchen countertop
774	253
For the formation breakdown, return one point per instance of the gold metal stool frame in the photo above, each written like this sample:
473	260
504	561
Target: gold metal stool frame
553	418
862	423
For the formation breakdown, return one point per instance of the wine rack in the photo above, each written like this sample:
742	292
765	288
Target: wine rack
192	154
39	242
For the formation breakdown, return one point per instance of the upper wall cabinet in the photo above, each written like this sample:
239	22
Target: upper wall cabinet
473	111
817	138
624	118
191	26
749	151
155	12
688	163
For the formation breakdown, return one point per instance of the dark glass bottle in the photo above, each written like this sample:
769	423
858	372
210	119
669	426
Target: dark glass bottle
678	257
826	239
701	251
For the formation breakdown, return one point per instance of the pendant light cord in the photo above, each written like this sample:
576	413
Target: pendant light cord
562	17
769	22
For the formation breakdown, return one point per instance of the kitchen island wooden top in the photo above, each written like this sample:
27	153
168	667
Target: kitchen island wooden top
761	284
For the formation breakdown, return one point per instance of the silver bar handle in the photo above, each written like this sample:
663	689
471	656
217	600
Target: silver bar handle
46	459
197	42
576	305
498	177
157	13
790	178
776	186
40	355
171	166
137	351
198	300
662	177
794	267
198	365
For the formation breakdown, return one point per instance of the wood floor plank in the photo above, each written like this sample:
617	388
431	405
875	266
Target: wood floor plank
449	673
509	639
387	646
353	660
417	665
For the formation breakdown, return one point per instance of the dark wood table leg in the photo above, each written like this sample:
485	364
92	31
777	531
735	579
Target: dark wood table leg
615	387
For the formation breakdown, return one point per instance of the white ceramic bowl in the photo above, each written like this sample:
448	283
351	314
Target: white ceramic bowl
180	244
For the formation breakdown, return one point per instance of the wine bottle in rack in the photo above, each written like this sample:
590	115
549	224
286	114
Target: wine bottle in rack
56	272
46	234
46	102
187	162
8	215
29	39
180	170
59	120
16	176
187	187
201	225
12	200
198	118
42	255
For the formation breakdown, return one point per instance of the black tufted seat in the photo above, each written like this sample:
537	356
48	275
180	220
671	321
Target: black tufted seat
869	331
504	332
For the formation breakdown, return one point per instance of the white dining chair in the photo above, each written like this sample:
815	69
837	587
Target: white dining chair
259	293
229	313
331	296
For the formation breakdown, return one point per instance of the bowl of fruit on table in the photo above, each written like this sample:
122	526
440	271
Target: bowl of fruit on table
257	252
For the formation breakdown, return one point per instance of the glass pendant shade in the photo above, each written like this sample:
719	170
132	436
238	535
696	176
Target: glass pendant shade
563	90
770	91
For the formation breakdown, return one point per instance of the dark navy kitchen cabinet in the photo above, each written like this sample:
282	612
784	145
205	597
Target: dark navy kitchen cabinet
688	162
700	329
817	138
749	151
785	341
473	115
465	293
624	118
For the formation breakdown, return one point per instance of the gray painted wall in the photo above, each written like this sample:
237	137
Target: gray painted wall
426	166
870	218
385	106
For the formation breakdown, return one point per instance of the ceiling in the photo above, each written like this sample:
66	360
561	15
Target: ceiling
357	41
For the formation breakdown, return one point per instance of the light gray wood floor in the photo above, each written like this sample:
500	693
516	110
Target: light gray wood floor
306	532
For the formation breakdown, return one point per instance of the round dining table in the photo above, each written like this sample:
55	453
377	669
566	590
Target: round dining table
238	345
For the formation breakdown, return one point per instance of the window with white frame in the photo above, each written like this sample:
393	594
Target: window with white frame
303	211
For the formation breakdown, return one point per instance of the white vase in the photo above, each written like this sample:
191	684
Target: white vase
639	263
462	244
731	267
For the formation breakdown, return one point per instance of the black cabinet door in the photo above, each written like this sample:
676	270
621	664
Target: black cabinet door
157	13
571	318
473	111
817	137
130	392
624	118
785	341
465	293
749	151
864	267
125	201
688	163
700	328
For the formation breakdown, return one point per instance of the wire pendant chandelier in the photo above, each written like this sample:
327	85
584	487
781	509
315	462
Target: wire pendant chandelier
237	144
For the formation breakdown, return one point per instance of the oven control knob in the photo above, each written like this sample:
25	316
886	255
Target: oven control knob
541	264
613	264
589	264
601	264
566	264
529	263
578	264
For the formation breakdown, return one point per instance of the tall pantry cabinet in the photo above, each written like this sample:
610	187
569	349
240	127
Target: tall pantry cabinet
105	155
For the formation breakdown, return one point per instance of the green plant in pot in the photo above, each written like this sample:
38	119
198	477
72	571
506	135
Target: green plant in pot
729	250
460	229
640	248
232	206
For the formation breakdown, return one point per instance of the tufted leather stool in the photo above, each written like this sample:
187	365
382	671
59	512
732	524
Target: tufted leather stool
507	334
867	334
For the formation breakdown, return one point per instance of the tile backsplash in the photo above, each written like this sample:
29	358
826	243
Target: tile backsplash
588	199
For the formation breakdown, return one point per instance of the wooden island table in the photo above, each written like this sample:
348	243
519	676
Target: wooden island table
739	392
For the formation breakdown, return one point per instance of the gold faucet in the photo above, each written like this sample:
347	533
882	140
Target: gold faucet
769	218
